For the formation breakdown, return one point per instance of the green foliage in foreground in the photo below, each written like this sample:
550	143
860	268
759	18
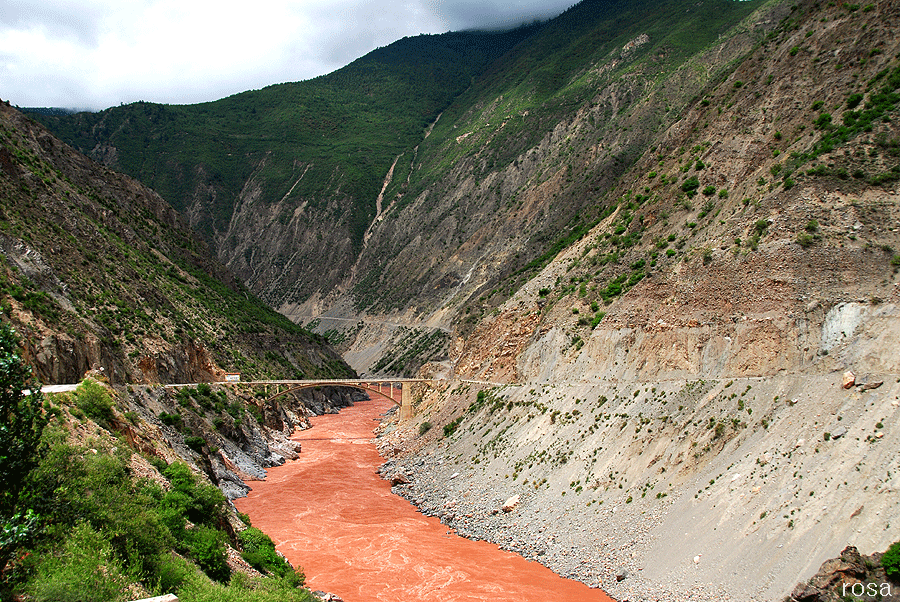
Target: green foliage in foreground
259	551
21	425
94	400
87	569
107	536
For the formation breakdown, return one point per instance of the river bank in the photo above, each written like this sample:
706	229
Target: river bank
673	491
330	512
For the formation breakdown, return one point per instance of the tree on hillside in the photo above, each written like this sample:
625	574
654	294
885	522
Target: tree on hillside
22	422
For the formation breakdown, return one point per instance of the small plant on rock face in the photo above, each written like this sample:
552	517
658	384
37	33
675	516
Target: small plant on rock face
804	239
195	443
690	186
891	561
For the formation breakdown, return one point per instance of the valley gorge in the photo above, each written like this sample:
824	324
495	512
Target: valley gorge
647	252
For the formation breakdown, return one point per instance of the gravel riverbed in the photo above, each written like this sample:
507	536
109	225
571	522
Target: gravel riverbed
600	546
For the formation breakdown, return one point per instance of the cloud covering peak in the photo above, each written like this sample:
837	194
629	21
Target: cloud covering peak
99	53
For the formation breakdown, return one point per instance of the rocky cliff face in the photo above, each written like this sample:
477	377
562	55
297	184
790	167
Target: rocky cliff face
99	271
724	258
229	433
852	574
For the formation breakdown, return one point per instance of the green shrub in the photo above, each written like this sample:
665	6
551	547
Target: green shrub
690	186
94	400
198	588
201	503
207	546
891	561
195	443
805	239
173	420
451	427
823	121
84	569
709	190
424	427
259	551
172	573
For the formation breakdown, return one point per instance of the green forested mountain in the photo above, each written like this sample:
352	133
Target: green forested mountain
341	131
305	162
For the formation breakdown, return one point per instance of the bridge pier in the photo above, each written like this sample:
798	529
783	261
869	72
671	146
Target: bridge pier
406	409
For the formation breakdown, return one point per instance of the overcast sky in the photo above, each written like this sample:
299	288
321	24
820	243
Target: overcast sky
100	53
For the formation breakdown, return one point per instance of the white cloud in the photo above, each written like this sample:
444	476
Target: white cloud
99	53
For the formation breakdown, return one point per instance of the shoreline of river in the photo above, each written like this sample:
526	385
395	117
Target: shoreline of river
331	513
605	551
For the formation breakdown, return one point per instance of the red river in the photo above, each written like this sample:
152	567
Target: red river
330	513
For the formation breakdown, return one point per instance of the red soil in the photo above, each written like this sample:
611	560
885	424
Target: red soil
331	513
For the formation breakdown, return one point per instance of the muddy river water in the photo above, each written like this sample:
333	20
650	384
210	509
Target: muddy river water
331	513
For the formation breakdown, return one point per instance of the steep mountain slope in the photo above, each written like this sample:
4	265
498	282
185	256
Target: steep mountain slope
711	373
752	222
521	165
99	271
302	162
368	214
530	150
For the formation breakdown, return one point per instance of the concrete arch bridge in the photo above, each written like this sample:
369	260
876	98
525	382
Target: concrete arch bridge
393	389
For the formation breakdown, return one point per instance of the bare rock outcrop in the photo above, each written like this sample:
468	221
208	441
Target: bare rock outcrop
851	576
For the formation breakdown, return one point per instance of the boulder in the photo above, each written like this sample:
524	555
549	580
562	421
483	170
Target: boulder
510	504
849	379
399	479
827	585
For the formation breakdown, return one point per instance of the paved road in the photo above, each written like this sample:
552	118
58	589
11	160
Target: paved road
53	389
